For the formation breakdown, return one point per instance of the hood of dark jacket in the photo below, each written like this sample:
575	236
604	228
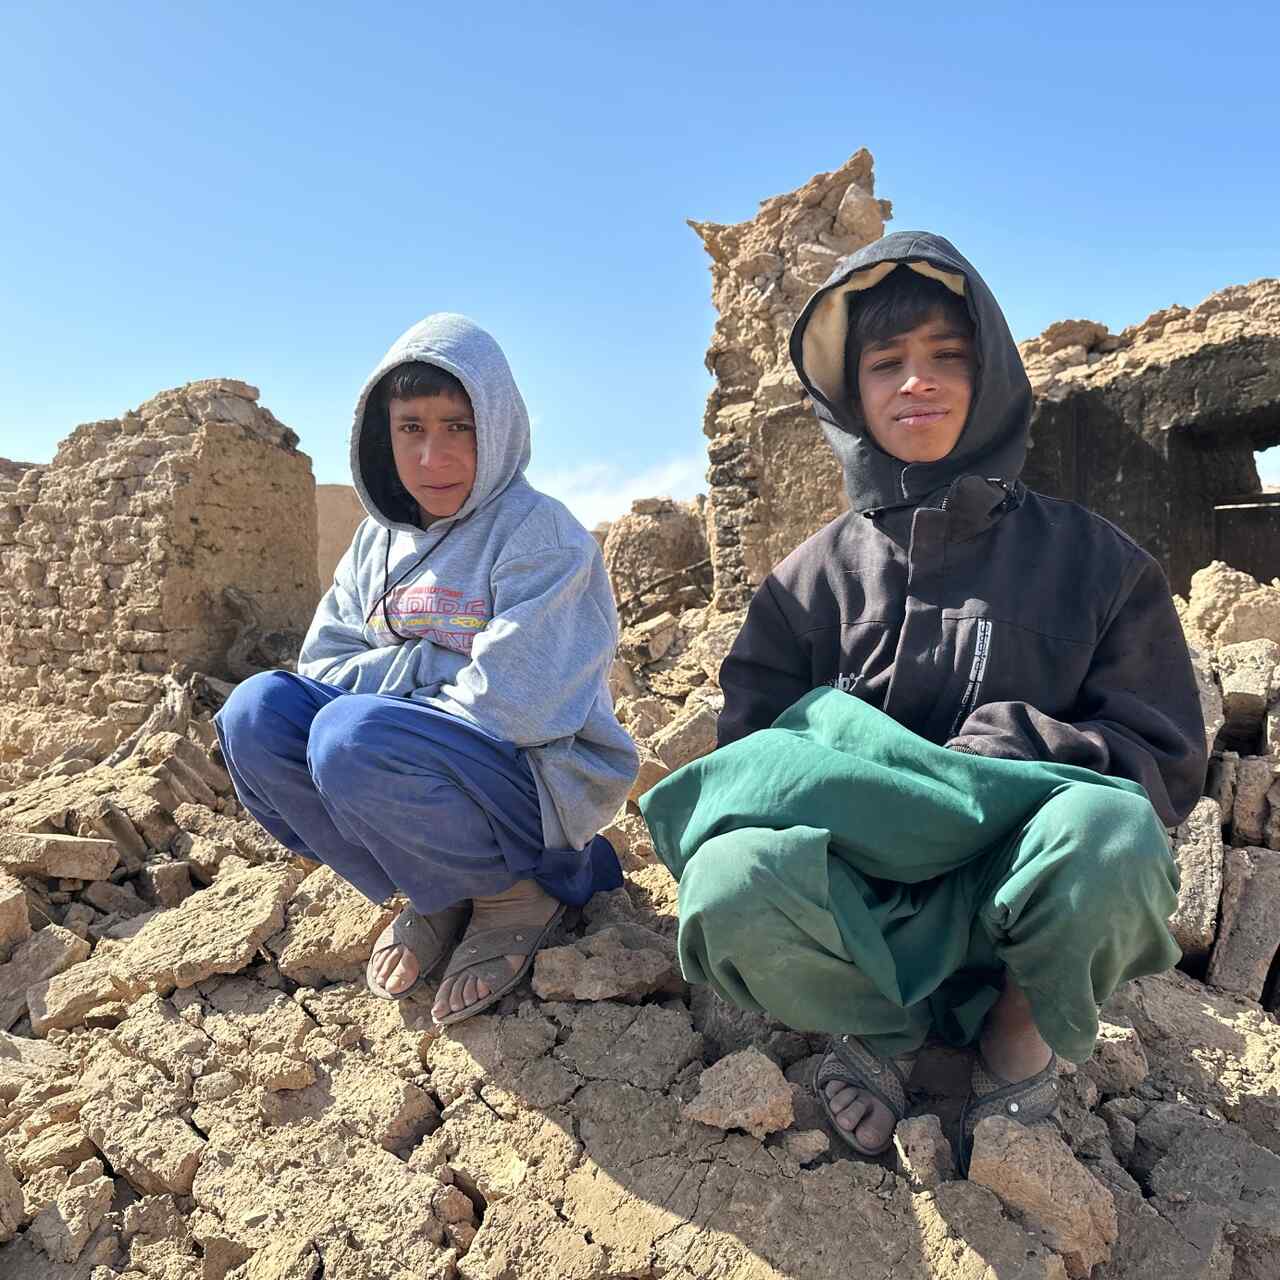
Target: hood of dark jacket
462	348
993	443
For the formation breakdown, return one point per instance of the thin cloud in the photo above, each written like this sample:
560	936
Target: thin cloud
599	491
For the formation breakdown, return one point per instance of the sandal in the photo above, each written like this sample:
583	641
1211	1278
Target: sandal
426	938
1032	1101
853	1062
486	951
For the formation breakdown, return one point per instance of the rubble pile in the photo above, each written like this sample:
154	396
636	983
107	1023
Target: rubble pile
194	1081
114	559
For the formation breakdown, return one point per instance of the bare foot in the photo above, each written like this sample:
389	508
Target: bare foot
858	1113
1010	1043
396	968
525	903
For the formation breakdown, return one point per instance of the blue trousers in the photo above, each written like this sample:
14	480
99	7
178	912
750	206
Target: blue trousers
395	796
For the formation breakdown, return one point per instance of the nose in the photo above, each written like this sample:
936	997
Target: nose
916	384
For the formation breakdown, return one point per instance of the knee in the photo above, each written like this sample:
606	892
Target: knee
343	737
727	885
1125	854
262	695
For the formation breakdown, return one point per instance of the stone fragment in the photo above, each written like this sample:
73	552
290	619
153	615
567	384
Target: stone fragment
1119	1064
805	1146
1220	781
15	921
217	930
57	856
643	717
143	1140
966	1232
747	1091
57	1146
1248	674
165	884
1209	693
925	1157
24	1061
652	771
649	641
329	931
1249	935
655	552
615	963
630	839
49	952
1254	778
114	899
62	1229
1034	1173
1215	590
691	735
10	1202
1197	849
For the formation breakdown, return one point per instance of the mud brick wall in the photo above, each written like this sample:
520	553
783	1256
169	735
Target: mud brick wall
772	480
114	557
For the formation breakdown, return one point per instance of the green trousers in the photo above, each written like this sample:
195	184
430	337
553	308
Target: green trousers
842	874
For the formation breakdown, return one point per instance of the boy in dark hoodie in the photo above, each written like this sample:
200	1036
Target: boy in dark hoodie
971	843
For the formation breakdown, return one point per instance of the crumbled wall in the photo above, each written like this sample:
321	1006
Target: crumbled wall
338	512
114	557
1152	426
772	479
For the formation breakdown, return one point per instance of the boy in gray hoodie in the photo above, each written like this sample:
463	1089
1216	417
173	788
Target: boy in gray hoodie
450	733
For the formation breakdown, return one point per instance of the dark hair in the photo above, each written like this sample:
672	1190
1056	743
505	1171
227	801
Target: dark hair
900	302
377	462
407	381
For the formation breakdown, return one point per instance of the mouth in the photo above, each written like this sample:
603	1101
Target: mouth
920	417
439	488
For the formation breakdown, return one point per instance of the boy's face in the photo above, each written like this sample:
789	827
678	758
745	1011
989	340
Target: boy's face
433	439
915	390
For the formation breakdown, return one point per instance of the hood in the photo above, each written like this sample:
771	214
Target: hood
994	441
465	350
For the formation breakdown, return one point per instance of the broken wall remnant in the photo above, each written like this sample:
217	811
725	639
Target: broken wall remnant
1157	426
338	514
772	480
114	559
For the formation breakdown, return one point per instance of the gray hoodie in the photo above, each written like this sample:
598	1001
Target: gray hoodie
506	605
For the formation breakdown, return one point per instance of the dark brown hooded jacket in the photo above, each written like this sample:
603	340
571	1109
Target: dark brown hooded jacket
977	613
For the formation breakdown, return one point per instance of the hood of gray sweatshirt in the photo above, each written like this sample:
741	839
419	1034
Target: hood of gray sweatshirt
501	615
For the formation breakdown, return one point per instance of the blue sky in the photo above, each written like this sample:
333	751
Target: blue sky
273	192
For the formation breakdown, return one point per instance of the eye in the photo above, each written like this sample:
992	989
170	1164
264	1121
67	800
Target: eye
881	366
953	355
409	427
461	426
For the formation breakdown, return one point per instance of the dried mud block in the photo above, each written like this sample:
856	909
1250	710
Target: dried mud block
747	1091
1033	1173
1254	778
10	1202
630	839
528	1238
1119	1064
1249	935
24	1061
63	1228
646	1046
1197	849
45	954
57	857
624	962
966	1232
166	884
690	736
652	771
925	1157
329	931
1210	695
1248	674
15	920
217	930
143	1140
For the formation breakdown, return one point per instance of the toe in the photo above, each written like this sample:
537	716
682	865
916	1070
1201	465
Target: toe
441	1005
876	1127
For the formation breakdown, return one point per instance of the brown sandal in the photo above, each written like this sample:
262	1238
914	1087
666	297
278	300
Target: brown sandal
486	951
426	938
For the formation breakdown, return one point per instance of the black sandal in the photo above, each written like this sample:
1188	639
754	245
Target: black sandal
852	1061
1032	1101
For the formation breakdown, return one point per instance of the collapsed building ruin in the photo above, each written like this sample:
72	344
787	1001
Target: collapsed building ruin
195	1082
1155	427
115	557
